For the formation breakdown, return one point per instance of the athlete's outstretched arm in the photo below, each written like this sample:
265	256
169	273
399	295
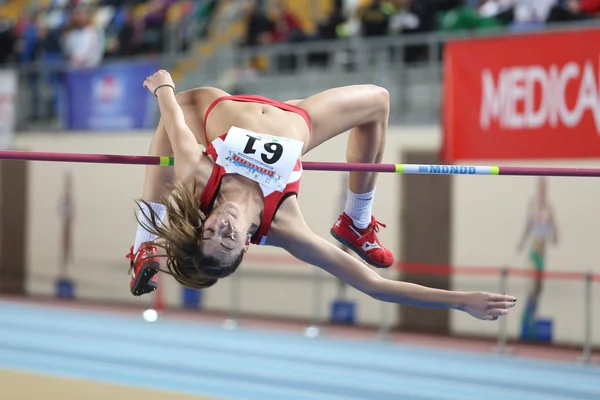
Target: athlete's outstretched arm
305	245
315	250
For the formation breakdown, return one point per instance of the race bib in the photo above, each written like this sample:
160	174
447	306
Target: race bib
268	160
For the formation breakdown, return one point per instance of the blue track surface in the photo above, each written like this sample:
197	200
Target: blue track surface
246	364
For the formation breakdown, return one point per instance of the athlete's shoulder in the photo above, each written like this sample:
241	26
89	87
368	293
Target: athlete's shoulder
287	220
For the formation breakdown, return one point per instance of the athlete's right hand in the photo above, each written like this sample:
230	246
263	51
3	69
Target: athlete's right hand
160	80
487	306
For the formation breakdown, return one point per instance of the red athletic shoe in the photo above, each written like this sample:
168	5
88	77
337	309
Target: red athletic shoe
363	242
144	266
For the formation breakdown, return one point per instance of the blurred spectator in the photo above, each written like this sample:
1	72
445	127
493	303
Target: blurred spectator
404	19
419	16
202	15
83	43
45	48
8	41
285	26
83	32
26	31
46	45
532	13
466	18
278	25
574	10
527	14
375	18
153	37
191	22
588	7
258	25
520	14
125	41
500	10
258	28
334	26
122	27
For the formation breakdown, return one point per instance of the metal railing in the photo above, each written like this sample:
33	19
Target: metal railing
294	71
409	66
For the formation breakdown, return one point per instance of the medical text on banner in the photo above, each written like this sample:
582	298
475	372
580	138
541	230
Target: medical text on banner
530	96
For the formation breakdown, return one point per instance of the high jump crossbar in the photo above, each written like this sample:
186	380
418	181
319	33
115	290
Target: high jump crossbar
428	169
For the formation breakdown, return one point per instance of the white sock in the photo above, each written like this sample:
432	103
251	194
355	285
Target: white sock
358	207
142	235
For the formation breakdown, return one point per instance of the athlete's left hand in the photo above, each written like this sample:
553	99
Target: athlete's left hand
487	306
160	78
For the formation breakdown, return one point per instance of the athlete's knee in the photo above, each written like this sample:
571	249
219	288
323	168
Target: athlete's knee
381	95
379	99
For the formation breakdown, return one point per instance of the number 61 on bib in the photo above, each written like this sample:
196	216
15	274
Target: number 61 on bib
268	160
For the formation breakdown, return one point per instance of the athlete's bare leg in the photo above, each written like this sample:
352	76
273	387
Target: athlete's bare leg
362	109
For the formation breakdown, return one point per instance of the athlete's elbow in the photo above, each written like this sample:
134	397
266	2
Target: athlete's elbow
373	287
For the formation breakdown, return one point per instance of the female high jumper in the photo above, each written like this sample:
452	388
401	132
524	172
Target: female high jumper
242	189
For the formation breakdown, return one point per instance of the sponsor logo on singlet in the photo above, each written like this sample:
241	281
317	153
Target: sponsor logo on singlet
268	160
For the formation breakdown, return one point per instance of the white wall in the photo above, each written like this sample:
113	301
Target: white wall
488	221
487	217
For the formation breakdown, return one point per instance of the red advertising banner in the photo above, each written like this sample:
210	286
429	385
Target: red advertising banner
528	96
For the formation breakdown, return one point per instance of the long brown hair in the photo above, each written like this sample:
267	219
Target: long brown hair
179	236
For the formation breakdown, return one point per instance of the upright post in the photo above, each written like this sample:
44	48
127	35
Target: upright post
232	322
314	330
587	319
501	347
